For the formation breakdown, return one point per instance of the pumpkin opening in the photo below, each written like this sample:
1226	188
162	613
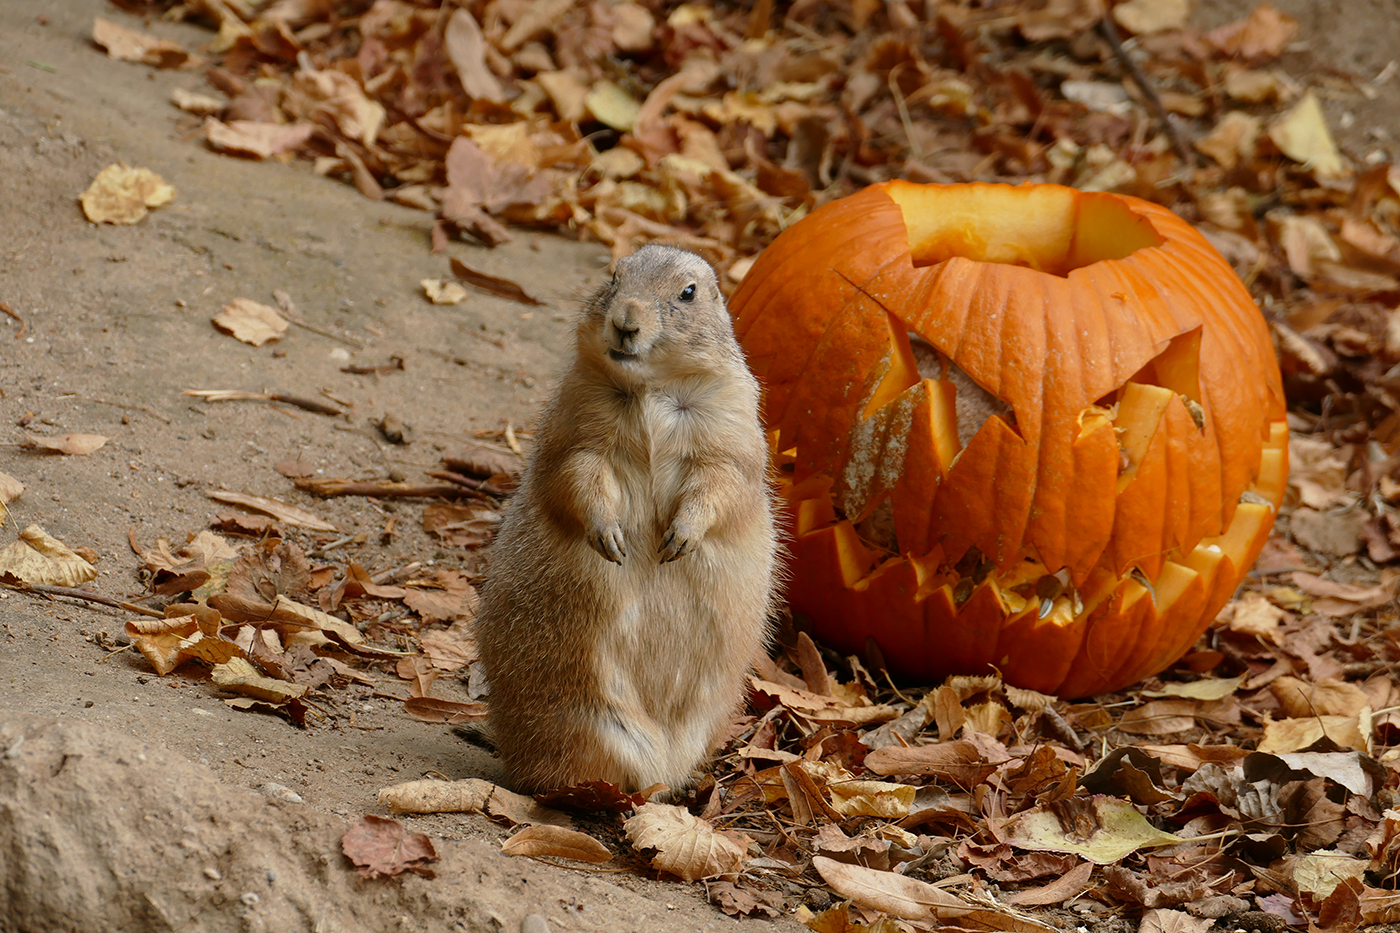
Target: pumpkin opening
1047	228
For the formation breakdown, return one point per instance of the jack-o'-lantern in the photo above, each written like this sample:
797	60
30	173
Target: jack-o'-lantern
1028	428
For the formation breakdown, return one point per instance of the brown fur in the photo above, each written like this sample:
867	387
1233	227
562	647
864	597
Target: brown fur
631	582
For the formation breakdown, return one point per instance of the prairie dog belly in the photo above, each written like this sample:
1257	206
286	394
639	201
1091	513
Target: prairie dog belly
676	649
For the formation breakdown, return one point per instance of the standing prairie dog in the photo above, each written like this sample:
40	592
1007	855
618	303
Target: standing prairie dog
631	581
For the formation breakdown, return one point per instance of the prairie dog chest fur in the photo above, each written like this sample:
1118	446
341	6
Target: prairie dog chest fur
631	581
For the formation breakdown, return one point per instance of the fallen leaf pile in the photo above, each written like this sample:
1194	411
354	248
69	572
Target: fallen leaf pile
1257	781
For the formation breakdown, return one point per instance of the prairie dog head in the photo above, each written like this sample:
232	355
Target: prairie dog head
662	309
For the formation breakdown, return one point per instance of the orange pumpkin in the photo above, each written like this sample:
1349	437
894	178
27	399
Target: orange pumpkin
1024	427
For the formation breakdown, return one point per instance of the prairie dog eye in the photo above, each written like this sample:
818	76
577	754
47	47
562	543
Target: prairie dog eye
688	293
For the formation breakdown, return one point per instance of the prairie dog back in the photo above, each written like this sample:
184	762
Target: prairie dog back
631	582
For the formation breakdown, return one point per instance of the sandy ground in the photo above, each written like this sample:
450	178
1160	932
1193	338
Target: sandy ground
122	315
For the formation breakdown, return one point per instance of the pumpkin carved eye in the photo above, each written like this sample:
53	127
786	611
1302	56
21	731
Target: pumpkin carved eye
688	293
1130	444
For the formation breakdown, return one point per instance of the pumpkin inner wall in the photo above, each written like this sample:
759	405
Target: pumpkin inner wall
1049	229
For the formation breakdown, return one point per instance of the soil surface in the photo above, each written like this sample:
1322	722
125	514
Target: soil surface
117	326
168	821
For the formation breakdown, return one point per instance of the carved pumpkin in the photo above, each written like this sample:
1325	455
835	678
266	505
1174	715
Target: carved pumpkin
1024	427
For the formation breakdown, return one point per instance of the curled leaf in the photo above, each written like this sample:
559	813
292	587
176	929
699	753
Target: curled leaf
686	846
41	560
121	195
557	841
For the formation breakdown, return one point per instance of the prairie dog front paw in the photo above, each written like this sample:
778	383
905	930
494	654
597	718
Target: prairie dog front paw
607	540
680	540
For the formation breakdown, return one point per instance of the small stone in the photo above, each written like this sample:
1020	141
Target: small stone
280	792
534	923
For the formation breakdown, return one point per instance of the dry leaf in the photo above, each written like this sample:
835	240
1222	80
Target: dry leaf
612	106
1303	136
382	848
262	140
237	675
203	105
1232	140
251	322
431	709
441	292
492	285
469	796
871	798
1291	735
336	96
1255	615
1105	830
1265	33
121	194
77	445
40	560
911	899
132	46
1144	17
10	488
557	841
686	846
466	49
291	514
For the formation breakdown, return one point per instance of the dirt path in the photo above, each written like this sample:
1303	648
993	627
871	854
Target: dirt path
121	314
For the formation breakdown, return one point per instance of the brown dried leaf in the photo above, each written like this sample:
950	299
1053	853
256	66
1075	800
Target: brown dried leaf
492	285
38	559
10	488
382	848
460	525
121	194
556	841
291	514
1264	34
131	46
442	292
1144	17
466	49
469	796
237	675
77	445
431	709
261	140
1291	735
686	846
251	322
911	899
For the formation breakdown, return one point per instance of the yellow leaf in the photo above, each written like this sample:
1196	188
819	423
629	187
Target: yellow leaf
120	194
41	560
251	322
237	675
871	798
1113	830
1302	135
612	106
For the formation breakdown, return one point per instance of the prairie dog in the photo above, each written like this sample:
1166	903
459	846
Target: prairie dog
630	584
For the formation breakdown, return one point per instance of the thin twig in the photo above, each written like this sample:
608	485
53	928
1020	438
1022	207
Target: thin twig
23	324
1149	91
102	401
71	592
